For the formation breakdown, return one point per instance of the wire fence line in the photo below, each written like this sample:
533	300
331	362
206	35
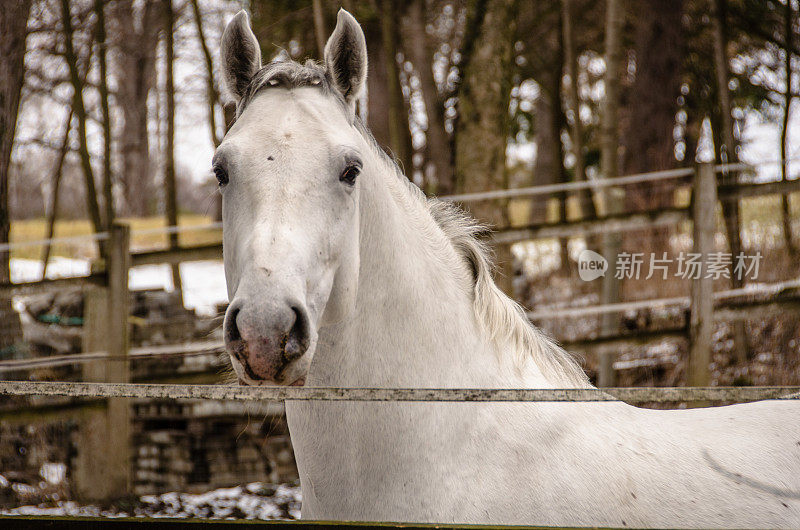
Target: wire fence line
282	393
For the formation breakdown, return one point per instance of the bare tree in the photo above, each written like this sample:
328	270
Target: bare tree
586	204
79	109
386	114
417	43
169	155
320	33
399	136
136	28
483	121
609	168
728	153
55	179
13	29
212	92
108	192
787	105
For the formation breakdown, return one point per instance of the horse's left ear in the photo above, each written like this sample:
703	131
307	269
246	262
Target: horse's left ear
346	57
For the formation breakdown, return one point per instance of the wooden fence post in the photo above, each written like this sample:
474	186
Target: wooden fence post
701	323
102	467
609	322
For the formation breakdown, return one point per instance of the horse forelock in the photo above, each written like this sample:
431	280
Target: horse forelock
289	74
503	320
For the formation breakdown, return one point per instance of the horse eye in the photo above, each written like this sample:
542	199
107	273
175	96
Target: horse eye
349	175
221	174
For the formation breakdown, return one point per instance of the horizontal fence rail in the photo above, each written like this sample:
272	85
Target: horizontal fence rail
547	189
193	349
768	290
624	180
269	393
102	236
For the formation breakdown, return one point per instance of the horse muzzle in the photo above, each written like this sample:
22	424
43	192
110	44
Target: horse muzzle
265	340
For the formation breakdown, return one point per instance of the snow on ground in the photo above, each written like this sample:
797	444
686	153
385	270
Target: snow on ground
257	500
203	281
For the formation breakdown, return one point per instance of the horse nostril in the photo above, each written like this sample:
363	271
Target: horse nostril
231	328
297	340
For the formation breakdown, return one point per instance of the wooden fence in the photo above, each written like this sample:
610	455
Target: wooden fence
104	471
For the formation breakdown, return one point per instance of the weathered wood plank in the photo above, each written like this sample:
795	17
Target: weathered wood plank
212	251
265	393
701	317
612	223
46	286
758	189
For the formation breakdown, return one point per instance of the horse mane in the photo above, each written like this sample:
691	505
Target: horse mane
503	319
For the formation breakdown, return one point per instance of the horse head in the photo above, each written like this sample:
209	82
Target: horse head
289	171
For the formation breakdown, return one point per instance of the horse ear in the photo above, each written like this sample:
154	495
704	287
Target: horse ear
346	57
240	55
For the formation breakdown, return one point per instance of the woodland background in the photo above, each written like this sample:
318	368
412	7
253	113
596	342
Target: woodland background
112	108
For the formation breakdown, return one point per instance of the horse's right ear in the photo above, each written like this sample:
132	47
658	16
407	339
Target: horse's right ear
240	55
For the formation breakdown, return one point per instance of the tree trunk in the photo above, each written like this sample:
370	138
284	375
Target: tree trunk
728	153
13	28
136	28
169	156
378	101
557	127
319	26
728	150
609	166
438	144
648	138
212	92
787	105
652	106
386	112
212	95
56	181
399	134
92	206
108	191
585	201
483	120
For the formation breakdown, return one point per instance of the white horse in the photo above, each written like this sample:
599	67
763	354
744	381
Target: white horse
340	273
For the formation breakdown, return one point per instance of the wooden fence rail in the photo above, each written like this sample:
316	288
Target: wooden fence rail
106	325
282	393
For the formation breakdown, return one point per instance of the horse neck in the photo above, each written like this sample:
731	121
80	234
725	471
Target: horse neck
415	323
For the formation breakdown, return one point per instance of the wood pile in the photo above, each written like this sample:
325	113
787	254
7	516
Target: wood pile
198	446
